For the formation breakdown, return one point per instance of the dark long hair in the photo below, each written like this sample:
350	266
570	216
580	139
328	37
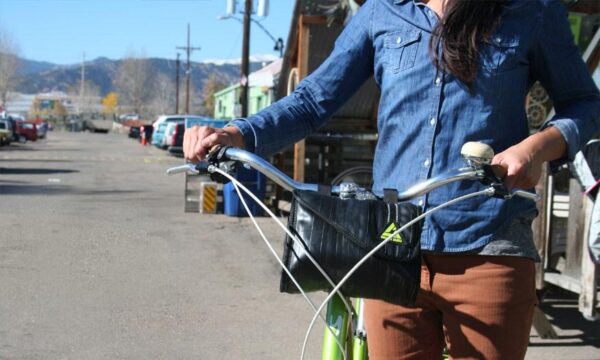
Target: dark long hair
464	24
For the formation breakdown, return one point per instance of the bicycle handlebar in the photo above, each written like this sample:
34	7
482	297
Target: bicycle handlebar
224	156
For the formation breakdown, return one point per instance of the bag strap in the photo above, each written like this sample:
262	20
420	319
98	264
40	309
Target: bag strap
324	189
390	195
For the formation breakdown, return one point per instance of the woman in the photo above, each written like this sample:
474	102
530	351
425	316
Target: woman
450	71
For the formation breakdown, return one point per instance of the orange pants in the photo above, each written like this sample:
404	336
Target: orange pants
479	307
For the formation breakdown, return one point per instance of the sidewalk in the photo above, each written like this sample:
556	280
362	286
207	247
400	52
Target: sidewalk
578	338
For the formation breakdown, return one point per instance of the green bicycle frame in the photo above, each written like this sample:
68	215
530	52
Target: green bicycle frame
337	320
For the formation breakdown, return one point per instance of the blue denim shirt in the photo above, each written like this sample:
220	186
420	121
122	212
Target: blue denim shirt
425	116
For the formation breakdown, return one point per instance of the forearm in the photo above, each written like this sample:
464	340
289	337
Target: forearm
546	145
283	123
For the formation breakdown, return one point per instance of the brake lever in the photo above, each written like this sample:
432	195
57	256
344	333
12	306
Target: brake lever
216	158
494	177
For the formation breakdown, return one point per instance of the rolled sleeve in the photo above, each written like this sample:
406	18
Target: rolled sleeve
558	65
247	131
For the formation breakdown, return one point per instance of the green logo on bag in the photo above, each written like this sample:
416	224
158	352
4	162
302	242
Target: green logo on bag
389	231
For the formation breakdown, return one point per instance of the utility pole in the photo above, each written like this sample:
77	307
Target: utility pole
246	57
177	84
81	87
188	49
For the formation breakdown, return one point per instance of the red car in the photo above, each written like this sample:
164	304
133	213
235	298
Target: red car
27	129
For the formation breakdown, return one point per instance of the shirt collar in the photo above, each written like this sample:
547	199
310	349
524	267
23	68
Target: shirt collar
414	15
416	2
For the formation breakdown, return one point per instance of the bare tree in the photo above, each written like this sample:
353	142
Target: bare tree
88	101
163	99
211	87
133	82
9	64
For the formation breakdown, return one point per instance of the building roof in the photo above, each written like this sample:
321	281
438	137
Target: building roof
265	76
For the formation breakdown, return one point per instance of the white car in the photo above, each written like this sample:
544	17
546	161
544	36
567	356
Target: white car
157	138
129	117
169	139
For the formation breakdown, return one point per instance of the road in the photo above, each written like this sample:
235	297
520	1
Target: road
99	261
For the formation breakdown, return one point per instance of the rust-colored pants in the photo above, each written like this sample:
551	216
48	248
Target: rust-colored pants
479	307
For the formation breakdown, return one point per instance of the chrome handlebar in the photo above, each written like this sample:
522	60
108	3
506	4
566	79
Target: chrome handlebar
231	154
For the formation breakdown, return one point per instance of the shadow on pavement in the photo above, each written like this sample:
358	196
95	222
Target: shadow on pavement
39	160
34	189
22	188
18	148
30	171
562	307
13	182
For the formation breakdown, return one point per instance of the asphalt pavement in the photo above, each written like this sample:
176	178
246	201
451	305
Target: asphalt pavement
99	261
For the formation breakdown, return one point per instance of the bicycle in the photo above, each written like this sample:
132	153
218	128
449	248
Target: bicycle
345	335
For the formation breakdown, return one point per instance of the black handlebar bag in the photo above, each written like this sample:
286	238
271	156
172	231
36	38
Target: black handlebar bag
339	232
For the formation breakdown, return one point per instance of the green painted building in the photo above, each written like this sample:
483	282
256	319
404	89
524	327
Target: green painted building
260	93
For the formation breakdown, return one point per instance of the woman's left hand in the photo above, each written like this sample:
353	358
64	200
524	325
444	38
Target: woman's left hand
523	161
523	167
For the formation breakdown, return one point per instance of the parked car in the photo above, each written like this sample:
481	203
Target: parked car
6	133
134	132
176	147
146	133
170	131
27	129
42	129
129	117
158	136
13	124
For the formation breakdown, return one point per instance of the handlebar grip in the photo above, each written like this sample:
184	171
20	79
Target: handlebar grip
201	167
181	169
499	170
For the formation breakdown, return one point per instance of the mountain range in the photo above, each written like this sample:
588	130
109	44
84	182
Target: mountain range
40	76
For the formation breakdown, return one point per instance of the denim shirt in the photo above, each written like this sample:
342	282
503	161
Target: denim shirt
425	115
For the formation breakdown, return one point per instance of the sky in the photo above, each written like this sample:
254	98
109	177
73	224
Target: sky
61	31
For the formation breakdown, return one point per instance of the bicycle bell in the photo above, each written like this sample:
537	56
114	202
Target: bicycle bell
477	154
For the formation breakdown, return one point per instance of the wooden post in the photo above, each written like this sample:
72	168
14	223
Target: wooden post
588	296
540	227
303	46
575	231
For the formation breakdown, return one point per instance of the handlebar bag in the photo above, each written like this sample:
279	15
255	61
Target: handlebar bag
339	232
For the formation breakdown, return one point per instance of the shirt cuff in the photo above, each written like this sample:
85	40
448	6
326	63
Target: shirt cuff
248	133
570	132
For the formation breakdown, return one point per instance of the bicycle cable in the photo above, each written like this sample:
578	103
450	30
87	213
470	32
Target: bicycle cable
237	186
488	192
294	238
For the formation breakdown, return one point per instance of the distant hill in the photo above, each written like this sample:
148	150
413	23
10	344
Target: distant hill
38	76
27	67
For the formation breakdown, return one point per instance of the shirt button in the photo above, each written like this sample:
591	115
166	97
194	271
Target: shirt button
498	40
432	121
426	162
420	202
438	80
398	40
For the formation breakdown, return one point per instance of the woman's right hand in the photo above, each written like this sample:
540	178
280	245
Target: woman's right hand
198	140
